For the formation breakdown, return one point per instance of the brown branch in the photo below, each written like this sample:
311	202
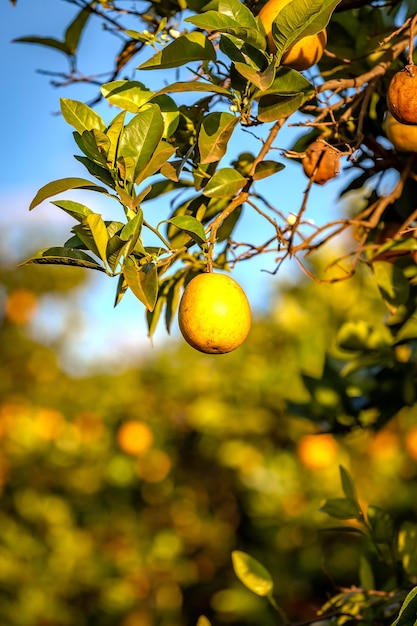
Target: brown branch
243	195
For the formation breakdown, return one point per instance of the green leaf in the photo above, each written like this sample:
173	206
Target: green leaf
49	42
348	485
80	115
64	256
141	137
215	132
75	29
299	19
186	86
172	300
267	168
225	182
366	576
342	508
408	611
121	289
169	112
287	82
162	153
143	281
381	523
113	133
262	80
219	22
392	283
101	173
99	233
187	48
252	573
191	226
273	107
77	210
90	143
238	11
130	95
132	229
63	184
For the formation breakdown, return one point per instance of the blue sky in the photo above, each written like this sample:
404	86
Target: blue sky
38	147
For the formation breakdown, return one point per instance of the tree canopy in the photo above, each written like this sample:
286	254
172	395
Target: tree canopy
191	487
210	81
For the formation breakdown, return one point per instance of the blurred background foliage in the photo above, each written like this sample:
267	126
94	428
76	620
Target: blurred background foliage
123	493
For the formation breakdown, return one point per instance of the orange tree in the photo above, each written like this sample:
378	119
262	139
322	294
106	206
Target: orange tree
231	80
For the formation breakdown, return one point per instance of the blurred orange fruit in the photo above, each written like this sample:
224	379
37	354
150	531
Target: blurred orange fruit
411	442
134	437
317	451
214	314
20	306
154	466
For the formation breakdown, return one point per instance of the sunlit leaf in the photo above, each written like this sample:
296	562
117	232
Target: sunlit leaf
113	132
215	132
190	47
64	256
191	226
408	611
143	281
287	82
77	210
169	112
130	95
140	138
219	22
224	183
186	86
162	153
63	184
133	227
252	573
299	19
99	232
80	115
261	79
94	144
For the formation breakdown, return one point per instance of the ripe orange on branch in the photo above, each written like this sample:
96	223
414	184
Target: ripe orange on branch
402	136
402	95
322	161
304	53
214	314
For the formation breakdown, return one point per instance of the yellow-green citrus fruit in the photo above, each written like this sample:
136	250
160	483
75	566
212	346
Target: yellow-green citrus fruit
402	95
402	136
303	54
214	314
321	160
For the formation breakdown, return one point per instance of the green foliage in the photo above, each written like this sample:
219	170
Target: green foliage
156	144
